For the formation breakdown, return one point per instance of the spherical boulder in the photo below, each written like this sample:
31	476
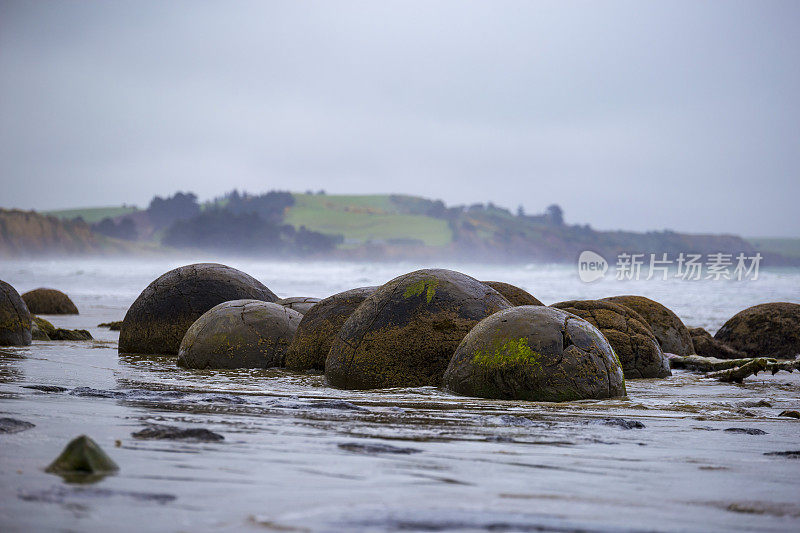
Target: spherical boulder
515	295
157	321
404	334
672	335
707	346
319	326
627	332
301	304
535	353
239	334
771	329
15	319
44	301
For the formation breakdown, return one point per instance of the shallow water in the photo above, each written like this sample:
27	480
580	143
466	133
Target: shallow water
298	455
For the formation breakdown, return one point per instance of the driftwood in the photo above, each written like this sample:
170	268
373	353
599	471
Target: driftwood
732	370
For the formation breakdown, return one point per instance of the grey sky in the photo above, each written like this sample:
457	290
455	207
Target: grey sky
632	115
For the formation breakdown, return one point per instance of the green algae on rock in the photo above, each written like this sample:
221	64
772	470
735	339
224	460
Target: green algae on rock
515	295
765	330
43	301
319	326
404	334
239	334
82	461
535	353
672	335
41	328
632	339
159	318
15	319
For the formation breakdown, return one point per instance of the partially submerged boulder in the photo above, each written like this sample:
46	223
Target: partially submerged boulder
15	319
535	353
405	333
627	332
672	335
765	330
319	326
61	334
239	334
515	295
113	326
43	301
301	304
41	328
160	316
82	459
707	346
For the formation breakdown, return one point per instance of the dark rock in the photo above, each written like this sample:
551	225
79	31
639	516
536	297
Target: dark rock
41	328
12	425
672	334
515	295
164	311
239	334
81	460
404	334
622	423
747	431
45	388
766	330
113	326
319	327
535	353
49	302
301	304
707	346
70	335
96	393
790	414
160	432
15	319
628	333
337	404
791	454
371	449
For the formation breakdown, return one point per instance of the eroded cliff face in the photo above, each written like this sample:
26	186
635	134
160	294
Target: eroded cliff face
25	233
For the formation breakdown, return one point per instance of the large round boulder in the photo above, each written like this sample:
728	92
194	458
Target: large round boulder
405	333
15	319
157	321
239	334
671	333
515	295
301	304
44	301
707	346
535	353
319	327
771	329
627	332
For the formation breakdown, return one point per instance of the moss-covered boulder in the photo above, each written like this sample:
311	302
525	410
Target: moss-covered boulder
671	333
301	304
82	460
535	353
319	326
239	334
15	319
515	295
41	328
44	301
629	335
160	316
404	334
61	334
707	346
771	330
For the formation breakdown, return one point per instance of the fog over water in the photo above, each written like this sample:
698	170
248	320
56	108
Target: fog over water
630	115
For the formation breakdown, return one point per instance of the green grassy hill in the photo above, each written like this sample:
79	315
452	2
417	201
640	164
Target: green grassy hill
784	246
366	218
90	215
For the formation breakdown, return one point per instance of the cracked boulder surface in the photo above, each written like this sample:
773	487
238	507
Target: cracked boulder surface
765	330
535	353
515	295
319	327
672	335
405	333
301	304
629	335
159	318
240	334
15	319
707	346
44	301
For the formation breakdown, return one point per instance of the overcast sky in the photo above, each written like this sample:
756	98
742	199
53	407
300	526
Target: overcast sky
631	115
